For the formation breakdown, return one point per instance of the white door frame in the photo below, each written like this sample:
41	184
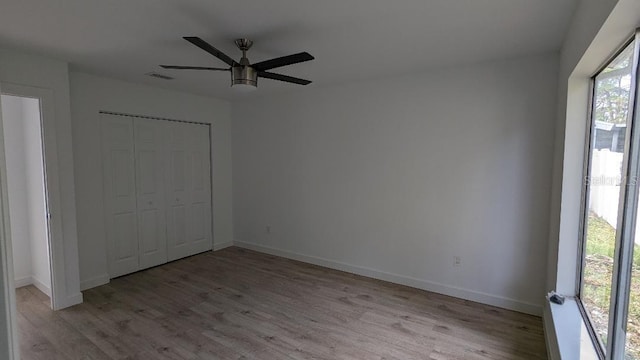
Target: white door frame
52	185
54	208
9	348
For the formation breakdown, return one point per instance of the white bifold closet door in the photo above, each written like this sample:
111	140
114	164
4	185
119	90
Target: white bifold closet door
150	190
188	190
157	191
120	194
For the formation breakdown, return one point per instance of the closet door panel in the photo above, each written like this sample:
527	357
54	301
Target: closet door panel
150	241
149	157
200	226
120	208
125	245
189	190
177	177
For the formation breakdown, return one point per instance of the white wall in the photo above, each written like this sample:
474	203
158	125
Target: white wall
12	123
89	95
393	178
23	152
52	75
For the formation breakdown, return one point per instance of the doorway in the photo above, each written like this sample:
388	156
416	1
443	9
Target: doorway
27	194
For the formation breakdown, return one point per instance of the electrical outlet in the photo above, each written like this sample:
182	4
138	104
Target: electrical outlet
267	229
457	261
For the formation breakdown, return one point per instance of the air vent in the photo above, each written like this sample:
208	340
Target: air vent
159	76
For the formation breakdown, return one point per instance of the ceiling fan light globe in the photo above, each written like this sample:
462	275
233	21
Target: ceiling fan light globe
244	88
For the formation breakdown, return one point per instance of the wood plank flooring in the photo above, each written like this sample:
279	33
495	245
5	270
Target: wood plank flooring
240	304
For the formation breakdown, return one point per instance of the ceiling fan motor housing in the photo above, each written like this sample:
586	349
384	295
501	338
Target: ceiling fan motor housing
244	75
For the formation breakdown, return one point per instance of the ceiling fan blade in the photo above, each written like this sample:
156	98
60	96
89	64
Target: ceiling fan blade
210	49
179	67
285	78
282	61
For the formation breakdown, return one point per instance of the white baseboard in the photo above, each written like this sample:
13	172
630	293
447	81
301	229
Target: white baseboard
71	300
94	282
484	298
41	286
23	281
30	280
221	246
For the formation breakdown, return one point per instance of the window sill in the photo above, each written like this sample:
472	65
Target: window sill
567	335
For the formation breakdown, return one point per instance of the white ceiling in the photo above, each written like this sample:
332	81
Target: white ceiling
351	39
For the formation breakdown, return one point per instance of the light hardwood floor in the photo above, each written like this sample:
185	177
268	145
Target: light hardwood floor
240	304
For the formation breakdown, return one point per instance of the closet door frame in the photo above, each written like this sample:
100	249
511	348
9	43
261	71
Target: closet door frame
210	222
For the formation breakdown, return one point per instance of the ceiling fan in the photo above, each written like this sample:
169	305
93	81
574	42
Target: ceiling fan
243	72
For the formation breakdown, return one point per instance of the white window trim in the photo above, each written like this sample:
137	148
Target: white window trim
561	321
566	332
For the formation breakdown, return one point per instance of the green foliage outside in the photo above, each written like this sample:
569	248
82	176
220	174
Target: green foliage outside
597	282
613	87
612	100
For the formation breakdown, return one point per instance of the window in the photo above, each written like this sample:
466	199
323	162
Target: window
609	286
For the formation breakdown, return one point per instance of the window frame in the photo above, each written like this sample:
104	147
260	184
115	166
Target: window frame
627	209
584	200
